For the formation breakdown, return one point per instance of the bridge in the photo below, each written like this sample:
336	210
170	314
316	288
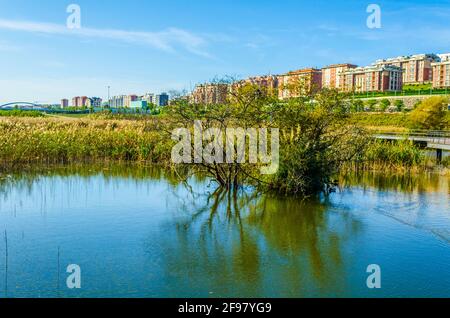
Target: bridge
437	139
25	105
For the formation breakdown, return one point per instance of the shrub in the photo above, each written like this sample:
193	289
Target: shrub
384	104
371	104
399	104
430	114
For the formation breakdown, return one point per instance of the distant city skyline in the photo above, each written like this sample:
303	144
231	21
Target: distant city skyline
134	50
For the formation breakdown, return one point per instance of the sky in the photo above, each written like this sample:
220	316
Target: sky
140	46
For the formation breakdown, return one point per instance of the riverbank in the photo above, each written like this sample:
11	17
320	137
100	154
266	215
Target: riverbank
58	140
147	140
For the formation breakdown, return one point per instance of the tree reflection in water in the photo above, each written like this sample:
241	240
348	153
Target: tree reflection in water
243	243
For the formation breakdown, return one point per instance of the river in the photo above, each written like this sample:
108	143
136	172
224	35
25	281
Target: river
137	232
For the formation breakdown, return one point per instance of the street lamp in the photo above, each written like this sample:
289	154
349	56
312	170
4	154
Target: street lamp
109	97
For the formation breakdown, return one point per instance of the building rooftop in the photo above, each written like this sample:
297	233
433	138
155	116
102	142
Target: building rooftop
340	65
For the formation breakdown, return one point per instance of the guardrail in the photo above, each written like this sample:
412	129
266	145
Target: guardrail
417	133
437	137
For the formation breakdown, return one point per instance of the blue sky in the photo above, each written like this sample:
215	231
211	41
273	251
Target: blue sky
139	46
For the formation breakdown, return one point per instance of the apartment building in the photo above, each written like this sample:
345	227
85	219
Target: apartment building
80	101
64	103
443	57
331	75
162	100
117	101
416	69
372	79
441	72
210	94
94	102
149	98
268	82
122	101
298	83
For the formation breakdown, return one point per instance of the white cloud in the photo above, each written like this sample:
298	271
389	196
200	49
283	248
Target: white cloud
167	40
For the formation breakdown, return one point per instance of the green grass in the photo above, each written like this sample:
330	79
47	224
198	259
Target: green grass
417	87
21	113
405	92
380	119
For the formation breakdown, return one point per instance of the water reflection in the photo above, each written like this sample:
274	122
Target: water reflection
231	236
137	231
405	182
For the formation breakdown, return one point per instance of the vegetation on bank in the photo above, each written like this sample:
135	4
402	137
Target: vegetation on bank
408	90
430	114
317	139
393	154
21	113
57	140
379	119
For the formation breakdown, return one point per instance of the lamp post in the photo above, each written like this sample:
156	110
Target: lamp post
109	97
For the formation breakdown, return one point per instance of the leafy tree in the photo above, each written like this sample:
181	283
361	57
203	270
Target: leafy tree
430	114
315	138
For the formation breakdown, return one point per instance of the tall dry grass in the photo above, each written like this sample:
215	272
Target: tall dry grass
55	140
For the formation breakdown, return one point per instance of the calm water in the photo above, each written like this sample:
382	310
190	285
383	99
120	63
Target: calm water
137	233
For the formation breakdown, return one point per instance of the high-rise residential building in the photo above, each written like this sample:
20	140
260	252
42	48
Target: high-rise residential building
331	75
416	68
117	101
128	99
210	93
139	104
149	98
162	100
122	101
441	72
298	83
372	79
80	101
94	102
444	57
64	103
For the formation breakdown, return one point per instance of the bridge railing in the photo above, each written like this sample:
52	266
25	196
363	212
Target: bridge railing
418	133
432	136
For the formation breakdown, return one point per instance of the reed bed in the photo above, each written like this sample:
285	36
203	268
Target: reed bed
53	140
57	140
401	153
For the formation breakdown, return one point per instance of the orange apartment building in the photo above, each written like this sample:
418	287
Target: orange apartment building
372	79
417	68
269	84
210	94
298	83
331	75
441	72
